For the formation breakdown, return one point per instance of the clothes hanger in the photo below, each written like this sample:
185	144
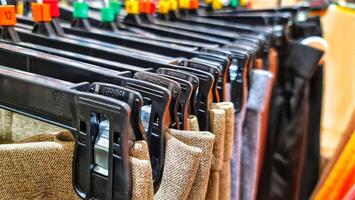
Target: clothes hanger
192	79
204	96
172	86
41	42
62	105
157	99
183	108
160	102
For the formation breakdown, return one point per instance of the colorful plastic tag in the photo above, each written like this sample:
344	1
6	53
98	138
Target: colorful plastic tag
7	15
217	4
208	2
173	5
19	8
132	7
107	14
54	7
194	4
234	3
152	7
81	10
41	12
243	2
184	4
146	6
164	6
116	6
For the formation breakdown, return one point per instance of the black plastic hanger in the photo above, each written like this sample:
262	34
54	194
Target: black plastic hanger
158	99
192	79
60	104
172	86
184	100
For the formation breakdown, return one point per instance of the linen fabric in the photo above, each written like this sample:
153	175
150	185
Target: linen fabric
225	173
203	140
217	127
180	169
39	167
193	123
15	127
142	178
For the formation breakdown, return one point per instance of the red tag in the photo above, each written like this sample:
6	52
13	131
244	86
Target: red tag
194	4
54	7
152	7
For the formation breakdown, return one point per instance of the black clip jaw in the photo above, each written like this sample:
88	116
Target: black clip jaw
204	95
215	72
169	84
159	98
184	100
192	79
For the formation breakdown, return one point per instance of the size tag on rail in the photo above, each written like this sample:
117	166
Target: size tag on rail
164	6
41	12
7	15
132	7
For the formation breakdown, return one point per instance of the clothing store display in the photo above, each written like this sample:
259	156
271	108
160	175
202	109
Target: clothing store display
174	100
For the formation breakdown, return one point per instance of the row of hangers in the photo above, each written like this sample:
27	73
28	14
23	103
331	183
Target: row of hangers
128	76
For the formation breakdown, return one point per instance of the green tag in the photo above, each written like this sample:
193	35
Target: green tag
234	3
107	14
81	10
116	6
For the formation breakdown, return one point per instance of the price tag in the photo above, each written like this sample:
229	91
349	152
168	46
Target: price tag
132	7
54	7
164	7
194	4
41	12
107	14
145	6
116	6
173	5
184	4
217	4
208	2
7	15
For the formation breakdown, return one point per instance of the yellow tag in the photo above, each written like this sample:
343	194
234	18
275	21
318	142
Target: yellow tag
173	5
19	8
184	4
217	4
164	7
132	7
208	1
243	2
